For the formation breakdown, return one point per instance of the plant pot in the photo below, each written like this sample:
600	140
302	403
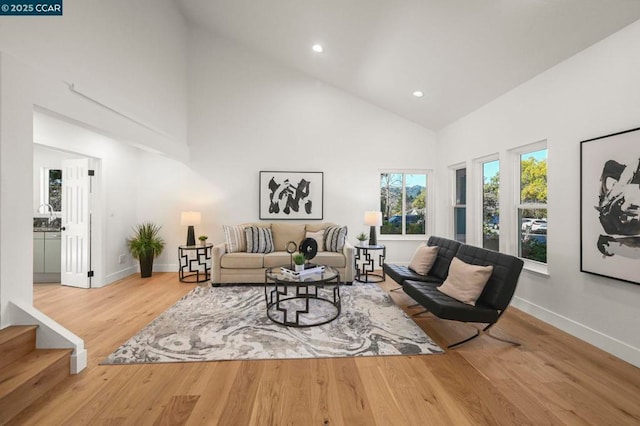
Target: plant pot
203	243
299	268
146	266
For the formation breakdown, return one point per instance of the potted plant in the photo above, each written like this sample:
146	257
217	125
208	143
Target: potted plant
203	239
362	237
145	245
299	259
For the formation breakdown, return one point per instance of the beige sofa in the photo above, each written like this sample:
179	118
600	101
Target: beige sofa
242	267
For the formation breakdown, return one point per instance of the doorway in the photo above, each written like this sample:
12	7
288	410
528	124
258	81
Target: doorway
65	196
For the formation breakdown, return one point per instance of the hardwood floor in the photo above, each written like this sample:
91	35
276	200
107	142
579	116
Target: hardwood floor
552	379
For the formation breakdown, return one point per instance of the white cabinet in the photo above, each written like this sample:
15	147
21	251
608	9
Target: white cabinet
46	257
38	252
52	252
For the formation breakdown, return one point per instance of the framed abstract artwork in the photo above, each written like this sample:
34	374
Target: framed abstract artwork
291	195
610	206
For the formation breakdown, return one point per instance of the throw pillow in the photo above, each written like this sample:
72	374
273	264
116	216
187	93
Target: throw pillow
334	238
259	240
234	238
465	282
284	232
423	259
319	237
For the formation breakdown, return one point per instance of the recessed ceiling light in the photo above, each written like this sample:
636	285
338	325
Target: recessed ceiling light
418	94
317	48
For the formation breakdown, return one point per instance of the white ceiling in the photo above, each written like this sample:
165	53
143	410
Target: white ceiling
460	53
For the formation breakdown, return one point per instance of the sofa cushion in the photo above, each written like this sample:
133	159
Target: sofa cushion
320	226
285	232
423	259
242	260
334	238
234	238
277	258
465	282
328	258
318	236
259	240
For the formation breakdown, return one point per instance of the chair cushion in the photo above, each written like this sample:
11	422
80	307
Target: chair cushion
465	282
400	273
423	259
446	307
447	249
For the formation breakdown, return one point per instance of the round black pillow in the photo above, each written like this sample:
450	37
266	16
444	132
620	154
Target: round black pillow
309	248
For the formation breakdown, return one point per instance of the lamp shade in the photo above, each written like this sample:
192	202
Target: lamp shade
190	218
373	218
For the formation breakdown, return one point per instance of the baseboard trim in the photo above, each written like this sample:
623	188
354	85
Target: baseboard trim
608	344
118	275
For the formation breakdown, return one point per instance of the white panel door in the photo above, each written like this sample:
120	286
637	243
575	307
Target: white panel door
75	244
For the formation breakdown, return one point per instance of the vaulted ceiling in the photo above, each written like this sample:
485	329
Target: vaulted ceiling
461	53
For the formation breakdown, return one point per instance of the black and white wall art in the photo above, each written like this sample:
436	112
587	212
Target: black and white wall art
610	206
291	195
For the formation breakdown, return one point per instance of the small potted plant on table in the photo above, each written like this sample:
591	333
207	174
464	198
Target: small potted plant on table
299	259
362	237
203	240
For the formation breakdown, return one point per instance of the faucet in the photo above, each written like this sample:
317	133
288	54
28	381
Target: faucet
50	207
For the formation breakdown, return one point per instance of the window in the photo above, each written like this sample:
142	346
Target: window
51	193
403	203
491	205
532	204
460	205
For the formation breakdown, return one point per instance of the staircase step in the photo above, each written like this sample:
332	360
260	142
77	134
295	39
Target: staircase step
16	342
30	377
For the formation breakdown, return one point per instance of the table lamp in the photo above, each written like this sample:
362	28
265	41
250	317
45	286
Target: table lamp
190	219
373	219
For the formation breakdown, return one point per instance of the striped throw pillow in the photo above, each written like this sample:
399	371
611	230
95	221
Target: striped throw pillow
259	240
234	238
334	238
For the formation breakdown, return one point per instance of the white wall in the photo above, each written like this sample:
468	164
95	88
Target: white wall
16	158
247	113
594	93
129	55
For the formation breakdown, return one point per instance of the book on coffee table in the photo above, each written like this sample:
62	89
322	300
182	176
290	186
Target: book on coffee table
308	270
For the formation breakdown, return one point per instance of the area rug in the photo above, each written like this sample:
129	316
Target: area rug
230	323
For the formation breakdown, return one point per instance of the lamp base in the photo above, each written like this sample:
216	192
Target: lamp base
191	236
373	240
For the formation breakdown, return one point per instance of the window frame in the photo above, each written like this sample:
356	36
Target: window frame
454	198
44	189
516	155
429	200
479	195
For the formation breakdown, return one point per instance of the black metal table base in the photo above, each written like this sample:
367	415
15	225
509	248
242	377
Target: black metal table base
365	270
298	304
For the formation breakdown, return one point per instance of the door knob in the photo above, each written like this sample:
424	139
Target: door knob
63	228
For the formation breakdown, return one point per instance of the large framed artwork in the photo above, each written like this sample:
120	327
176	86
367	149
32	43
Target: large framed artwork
291	195
610	206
